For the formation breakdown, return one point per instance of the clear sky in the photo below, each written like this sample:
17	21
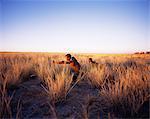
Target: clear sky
101	26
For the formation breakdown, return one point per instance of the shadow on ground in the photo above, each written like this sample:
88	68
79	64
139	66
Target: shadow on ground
35	103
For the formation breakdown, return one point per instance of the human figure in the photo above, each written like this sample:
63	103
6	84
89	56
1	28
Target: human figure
92	62
73	63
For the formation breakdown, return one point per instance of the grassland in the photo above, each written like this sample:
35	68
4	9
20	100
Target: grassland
31	86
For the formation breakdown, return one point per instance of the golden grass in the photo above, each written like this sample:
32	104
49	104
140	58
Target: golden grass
124	84
123	80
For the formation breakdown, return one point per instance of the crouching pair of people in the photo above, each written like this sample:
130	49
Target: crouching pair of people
74	65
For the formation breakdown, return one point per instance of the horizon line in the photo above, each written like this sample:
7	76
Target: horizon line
59	52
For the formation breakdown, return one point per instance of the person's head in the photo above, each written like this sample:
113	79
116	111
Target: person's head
90	59
68	57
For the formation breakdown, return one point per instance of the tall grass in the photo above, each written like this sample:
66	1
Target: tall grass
56	77
15	69
10	72
130	87
123	81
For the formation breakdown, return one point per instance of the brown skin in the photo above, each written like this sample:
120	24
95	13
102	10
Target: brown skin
91	61
75	68
60	62
68	58
63	62
71	63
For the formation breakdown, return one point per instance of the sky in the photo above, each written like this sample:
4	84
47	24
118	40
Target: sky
86	26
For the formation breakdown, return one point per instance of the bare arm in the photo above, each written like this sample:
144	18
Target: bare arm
61	62
75	68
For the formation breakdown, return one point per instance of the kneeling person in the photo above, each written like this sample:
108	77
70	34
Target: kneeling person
74	65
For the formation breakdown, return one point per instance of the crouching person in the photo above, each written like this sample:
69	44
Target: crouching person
92	62
74	65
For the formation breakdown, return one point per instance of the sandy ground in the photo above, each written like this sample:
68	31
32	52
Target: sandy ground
35	103
82	102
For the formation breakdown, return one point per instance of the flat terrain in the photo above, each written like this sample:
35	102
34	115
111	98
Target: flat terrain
31	86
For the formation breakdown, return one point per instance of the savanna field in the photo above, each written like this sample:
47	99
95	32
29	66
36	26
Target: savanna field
32	86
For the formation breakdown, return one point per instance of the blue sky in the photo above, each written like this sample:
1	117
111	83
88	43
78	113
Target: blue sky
101	26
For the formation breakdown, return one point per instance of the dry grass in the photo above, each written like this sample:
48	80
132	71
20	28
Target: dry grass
123	81
56	77
124	85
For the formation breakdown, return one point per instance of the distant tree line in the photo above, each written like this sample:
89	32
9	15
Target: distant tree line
148	52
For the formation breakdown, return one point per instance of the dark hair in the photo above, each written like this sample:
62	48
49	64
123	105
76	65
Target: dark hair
90	59
68	55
